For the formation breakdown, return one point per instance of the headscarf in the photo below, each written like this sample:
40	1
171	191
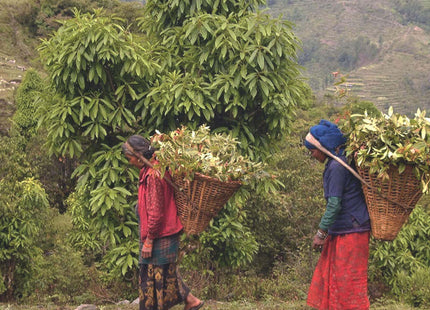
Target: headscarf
329	135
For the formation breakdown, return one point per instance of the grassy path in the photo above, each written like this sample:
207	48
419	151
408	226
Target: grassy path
211	305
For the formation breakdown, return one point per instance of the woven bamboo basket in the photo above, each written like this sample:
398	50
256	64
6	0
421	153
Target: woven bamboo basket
390	206
200	200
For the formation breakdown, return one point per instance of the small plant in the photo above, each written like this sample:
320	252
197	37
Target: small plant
377	142
405	263
186	152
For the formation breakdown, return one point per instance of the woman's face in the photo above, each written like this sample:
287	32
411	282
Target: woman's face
318	155
134	161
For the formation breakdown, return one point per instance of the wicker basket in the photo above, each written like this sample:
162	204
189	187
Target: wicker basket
200	200
386	216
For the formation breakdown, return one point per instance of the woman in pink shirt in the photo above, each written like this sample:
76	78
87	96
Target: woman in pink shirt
160	285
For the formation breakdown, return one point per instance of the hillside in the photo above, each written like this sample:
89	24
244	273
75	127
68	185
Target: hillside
387	60
17	53
23	23
11	73
381	46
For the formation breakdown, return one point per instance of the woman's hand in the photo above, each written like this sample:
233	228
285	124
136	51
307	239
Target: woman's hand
147	248
319	240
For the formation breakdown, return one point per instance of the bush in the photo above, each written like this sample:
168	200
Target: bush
24	119
406	260
60	275
415	287
23	209
285	221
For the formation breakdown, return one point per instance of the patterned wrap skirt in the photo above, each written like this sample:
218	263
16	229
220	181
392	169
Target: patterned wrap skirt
340	278
160	284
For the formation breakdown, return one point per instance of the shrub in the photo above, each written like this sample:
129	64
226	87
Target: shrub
23	209
60	275
26	99
406	260
415	287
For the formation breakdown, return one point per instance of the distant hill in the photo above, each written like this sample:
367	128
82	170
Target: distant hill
383	46
23	23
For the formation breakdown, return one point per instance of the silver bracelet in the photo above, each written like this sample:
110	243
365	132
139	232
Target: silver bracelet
322	234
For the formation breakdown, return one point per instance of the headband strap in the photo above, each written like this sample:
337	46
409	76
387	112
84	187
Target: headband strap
311	139
148	163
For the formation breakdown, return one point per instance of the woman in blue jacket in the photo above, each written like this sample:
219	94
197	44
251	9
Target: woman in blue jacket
340	277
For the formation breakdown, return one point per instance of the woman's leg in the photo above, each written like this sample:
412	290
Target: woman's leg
159	288
191	301
340	277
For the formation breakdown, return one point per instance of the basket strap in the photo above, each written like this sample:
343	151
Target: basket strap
149	164
311	139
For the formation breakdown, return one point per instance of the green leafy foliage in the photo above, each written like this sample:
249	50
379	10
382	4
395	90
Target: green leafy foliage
60	275
380	141
83	235
237	73
228	243
357	106
173	13
285	221
26	103
405	262
186	152
103	212
210	62
23	206
97	75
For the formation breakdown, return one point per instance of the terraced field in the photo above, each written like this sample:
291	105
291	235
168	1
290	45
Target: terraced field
398	76
401	78
11	73
387	86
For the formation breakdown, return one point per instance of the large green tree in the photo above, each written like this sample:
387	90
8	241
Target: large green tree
222	63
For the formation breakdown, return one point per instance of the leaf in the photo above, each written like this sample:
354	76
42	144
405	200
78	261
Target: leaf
402	168
206	114
390	111
253	55
81	81
99	70
260	60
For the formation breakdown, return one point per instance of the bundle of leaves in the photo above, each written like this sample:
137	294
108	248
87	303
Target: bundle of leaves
378	142
186	152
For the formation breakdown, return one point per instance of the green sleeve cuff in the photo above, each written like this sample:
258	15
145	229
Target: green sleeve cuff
332	210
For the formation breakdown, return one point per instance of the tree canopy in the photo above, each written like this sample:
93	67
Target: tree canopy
220	63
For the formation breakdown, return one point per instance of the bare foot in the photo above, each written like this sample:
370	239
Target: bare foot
192	302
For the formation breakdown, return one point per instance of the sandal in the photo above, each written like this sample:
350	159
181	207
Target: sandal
198	306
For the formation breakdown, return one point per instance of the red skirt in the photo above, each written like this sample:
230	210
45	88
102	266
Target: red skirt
340	278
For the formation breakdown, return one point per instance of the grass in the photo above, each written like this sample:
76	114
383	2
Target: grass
213	305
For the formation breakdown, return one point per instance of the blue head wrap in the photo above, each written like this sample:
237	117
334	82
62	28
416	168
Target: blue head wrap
328	134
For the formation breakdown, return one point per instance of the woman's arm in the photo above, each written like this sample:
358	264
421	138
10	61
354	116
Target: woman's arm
334	205
154	206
